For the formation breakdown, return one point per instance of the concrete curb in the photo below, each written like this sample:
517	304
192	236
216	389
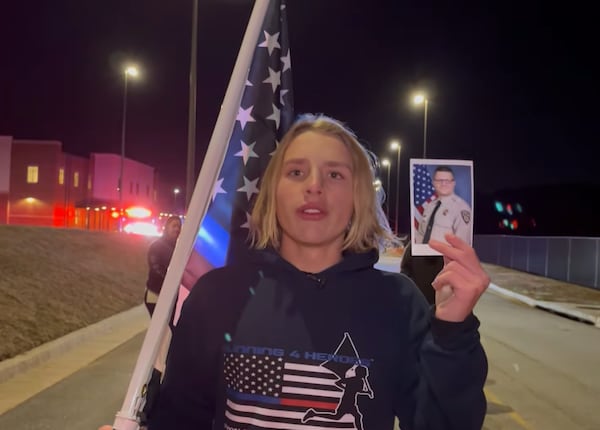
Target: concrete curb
566	309
30	359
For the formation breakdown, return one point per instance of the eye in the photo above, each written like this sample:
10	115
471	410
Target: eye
336	175
294	173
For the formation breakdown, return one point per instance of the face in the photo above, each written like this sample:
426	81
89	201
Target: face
443	182
172	230
314	194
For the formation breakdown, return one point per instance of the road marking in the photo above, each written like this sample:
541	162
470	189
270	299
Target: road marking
513	415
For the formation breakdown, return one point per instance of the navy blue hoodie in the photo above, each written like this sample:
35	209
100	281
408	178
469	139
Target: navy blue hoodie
264	345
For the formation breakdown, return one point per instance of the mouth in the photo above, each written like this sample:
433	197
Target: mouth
311	212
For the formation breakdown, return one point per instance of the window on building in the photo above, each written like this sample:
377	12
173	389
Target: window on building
147	190
137	189
76	180
61	176
32	174
89	182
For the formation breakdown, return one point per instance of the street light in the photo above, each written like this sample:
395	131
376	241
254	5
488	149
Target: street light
386	163
395	146
133	72
420	99
175	192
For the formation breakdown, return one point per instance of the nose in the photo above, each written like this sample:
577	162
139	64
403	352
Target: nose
314	182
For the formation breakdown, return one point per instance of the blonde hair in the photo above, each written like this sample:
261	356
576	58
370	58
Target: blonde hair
368	229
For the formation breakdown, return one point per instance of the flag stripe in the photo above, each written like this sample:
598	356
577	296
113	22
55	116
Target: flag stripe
287	426
306	368
257	398
311	392
274	413
309	404
308	380
424	192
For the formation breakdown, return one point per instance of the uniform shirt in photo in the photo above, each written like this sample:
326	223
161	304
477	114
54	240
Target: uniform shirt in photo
453	216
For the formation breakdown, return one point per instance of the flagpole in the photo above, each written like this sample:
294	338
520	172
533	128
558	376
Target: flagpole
126	418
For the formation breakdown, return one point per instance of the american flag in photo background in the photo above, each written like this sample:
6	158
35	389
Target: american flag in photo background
264	115
271	392
423	191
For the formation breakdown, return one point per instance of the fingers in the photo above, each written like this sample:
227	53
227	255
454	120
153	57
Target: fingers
447	260
455	246
453	270
451	240
464	280
443	294
457	250
455	277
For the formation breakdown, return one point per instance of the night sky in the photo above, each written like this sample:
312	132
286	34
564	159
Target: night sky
510	85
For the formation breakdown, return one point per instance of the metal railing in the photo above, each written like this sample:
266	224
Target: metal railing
570	259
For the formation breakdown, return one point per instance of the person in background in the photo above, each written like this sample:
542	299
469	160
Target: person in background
447	213
159	257
422	269
259	343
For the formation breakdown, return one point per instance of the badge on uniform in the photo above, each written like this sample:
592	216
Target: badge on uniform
466	216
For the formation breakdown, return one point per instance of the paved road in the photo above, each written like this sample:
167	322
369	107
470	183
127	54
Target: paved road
544	369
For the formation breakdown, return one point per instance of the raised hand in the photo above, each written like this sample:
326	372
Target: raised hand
460	283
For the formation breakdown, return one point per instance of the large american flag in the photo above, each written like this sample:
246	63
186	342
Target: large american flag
423	191
265	113
274	392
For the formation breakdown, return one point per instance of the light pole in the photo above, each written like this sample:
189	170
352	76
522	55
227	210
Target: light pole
133	72
191	146
395	146
175	192
421	99
386	163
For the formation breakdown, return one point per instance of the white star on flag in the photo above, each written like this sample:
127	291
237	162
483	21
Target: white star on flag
275	116
274	79
249	187
271	42
287	62
246	225
218	189
244	116
246	152
282	94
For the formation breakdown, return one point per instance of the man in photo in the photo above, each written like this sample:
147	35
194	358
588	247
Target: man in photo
446	213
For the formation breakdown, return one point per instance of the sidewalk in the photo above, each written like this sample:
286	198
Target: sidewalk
26	375
570	300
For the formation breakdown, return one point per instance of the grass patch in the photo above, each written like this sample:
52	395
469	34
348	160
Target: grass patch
55	281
